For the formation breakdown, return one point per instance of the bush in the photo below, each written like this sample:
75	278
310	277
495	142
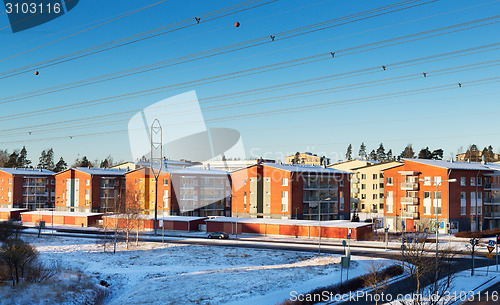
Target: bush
9	229
478	234
346	286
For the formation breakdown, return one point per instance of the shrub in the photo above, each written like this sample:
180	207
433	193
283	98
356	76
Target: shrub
478	234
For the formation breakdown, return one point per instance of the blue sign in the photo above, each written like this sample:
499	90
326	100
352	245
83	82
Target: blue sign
491	243
348	236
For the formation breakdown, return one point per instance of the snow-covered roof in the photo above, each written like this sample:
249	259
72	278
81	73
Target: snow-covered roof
101	171
11	210
26	171
451	165
493	166
61	213
306	168
293	222
165	218
196	170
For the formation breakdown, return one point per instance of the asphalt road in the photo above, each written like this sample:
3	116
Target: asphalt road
489	296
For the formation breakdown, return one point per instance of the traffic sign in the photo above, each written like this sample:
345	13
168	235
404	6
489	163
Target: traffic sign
490	249
489	255
348	236
491	243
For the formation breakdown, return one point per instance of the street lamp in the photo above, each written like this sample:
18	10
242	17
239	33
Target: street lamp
319	219
437	184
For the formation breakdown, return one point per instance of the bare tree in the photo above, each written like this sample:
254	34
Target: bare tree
423	269
375	278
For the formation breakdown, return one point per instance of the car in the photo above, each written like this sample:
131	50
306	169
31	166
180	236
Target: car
219	235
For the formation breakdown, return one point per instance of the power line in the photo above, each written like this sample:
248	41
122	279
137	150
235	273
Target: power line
359	72
420	91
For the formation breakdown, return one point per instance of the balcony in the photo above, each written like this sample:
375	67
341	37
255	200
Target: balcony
354	180
354	200
107	186
320	186
409	186
355	190
492	186
492	215
492	201
413	215
409	200
381	180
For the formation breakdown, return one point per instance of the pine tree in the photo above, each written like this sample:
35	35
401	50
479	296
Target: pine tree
85	162
425	153
491	154
348	154
13	159
390	157
49	159
381	155
373	155
61	165
296	158
407	152
42	160
362	151
23	158
437	154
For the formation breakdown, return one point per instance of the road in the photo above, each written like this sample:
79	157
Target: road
489	296
462	262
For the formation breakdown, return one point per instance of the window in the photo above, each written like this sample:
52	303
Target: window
374	186
284	201
389	202
472	181
10	181
427	181
463	181
388	181
165	182
473	203
363	186
245	199
374	176
87	182
427	203
245	181
463	196
381	186
437	203
341	183
437	180
363	176
375	196
363	196
341	201
463	203
479	181
381	175
284	182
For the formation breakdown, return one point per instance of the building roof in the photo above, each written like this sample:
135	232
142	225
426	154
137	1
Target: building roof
11	210
165	218
297	168
26	171
451	165
293	222
101	171
388	164
191	170
61	213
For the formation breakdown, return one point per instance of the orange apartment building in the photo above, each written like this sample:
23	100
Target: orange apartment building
412	200
277	191
191	191
27	188
89	190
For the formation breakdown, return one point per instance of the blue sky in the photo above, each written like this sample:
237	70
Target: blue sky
447	119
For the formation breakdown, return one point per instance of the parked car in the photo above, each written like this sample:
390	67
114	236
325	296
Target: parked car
219	235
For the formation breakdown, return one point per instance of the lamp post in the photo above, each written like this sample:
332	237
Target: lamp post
319	219
437	184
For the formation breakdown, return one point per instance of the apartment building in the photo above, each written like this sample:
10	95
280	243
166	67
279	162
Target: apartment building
367	189
84	189
418	192
307	158
191	191
492	197
27	188
280	191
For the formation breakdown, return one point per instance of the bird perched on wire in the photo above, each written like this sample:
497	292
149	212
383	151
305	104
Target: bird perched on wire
425	74
383	67
197	19
272	37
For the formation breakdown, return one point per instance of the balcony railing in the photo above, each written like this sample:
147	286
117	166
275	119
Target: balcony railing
354	180
491	186
409	186
355	190
409	200
320	186
107	186
413	215
492	214
381	180
492	201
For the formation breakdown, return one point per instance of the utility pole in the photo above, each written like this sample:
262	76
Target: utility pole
156	161
473	242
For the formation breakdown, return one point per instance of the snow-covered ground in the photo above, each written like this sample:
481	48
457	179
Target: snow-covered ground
156	273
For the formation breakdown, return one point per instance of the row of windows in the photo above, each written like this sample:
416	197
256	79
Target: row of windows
374	176
437	180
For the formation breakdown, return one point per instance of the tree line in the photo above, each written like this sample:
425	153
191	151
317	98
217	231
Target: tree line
19	159
381	155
